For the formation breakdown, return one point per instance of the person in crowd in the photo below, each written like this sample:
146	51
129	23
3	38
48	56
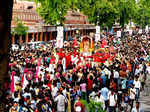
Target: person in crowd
132	95
78	106
137	108
105	92
61	102
137	86
112	101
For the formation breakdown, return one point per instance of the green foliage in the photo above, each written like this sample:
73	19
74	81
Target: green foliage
53	11
20	29
127	9
92	106
101	12
143	13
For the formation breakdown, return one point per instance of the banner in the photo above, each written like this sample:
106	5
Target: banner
140	31
97	37
60	34
118	33
97	29
59	43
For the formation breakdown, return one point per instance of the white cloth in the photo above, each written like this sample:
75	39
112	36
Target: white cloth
140	67
51	68
137	71
60	99
112	100
54	91
116	74
132	93
27	94
25	82
64	64
64	92
16	99
137	84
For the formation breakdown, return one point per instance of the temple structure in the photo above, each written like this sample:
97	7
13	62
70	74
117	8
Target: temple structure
38	31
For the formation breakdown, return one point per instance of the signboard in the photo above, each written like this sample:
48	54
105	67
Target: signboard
98	29
118	33
146	29
140	31
60	32
97	37
59	43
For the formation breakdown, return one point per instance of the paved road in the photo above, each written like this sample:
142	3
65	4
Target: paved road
145	97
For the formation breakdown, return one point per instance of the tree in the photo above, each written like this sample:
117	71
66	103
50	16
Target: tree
127	10
20	29
142	17
99	12
5	42
53	11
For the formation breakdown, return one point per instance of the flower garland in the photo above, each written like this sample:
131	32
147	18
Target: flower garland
29	75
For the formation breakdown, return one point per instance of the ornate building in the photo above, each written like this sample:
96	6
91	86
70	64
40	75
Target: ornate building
38	31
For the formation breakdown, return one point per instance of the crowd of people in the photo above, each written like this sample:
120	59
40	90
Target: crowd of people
49	79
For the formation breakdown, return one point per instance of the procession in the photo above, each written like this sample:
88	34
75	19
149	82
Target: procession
75	56
112	72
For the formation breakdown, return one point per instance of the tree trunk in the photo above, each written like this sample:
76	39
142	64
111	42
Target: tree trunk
5	42
20	39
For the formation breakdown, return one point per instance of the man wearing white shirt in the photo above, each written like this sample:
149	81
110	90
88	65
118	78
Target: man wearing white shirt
54	91
112	101
51	67
116	77
132	95
137	86
60	100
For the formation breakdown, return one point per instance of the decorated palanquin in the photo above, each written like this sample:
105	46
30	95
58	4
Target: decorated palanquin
86	45
104	55
101	55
